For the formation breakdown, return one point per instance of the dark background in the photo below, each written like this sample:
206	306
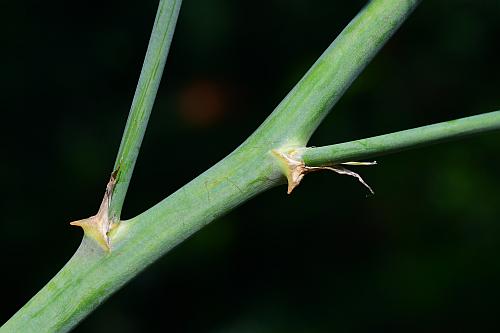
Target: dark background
419	256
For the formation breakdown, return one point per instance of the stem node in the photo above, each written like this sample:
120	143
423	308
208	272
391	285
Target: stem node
295	169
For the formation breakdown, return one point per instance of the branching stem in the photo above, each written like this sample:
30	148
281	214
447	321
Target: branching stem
93	274
299	114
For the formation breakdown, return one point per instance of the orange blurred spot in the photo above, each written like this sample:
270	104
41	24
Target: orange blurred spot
204	103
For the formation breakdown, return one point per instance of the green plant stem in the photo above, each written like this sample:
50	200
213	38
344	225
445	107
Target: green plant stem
142	104
403	140
93	274
296	118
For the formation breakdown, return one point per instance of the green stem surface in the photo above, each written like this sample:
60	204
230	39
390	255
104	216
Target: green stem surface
403	140
299	114
142	104
93	274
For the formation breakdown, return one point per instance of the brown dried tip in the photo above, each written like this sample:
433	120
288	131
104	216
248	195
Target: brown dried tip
295	170
98	226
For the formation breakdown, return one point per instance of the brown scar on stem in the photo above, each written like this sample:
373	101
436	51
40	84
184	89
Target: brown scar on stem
98	226
295	169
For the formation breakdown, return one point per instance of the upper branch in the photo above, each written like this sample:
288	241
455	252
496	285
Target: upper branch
142	104
300	113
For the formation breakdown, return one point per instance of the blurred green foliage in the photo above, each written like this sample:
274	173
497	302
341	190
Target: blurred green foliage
420	255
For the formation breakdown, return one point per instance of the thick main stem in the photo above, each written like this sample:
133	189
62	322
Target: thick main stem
93	274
